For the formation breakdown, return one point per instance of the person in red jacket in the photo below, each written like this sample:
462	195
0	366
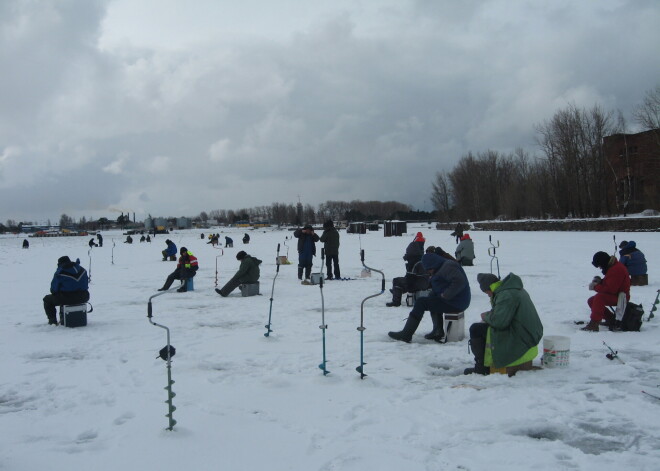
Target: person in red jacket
186	268
607	289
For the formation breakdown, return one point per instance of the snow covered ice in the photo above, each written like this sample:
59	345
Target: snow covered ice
94	398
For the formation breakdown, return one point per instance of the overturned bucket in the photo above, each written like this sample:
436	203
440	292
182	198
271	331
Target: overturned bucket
556	350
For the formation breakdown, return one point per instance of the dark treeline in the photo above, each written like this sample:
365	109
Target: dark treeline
569	179
290	214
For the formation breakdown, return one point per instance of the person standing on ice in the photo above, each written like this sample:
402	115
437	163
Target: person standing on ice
508	335
185	269
330	239
450	293
229	242
635	262
616	280
246	238
306	251
247	273
70	285
465	251
100	239
414	251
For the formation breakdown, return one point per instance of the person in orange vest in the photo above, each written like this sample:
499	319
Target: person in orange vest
185	269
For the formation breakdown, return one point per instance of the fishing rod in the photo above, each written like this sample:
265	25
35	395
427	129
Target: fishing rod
166	353
613	354
272	290
362	328
323	325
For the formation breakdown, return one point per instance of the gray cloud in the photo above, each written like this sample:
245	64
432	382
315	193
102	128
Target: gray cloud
109	105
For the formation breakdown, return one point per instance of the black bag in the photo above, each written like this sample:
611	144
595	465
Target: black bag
632	318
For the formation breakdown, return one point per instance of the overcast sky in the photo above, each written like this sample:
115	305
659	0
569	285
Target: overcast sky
176	107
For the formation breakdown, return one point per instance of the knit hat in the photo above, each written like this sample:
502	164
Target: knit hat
601	260
465	237
485	280
328	224
183	250
419	237
308	226
65	260
430	249
623	244
241	255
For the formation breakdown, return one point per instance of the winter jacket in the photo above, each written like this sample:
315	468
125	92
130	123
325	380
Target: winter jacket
515	326
633	259
171	249
248	272
330	239
188	260
465	251
69	277
414	253
302	237
616	279
448	281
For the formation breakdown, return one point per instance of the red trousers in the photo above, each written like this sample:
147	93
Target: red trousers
597	304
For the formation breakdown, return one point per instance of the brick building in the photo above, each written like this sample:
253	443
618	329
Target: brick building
633	169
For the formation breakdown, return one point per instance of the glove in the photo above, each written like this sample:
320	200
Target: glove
592	285
597	279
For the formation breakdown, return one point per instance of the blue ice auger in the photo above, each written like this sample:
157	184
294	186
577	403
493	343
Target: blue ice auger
492	251
272	290
166	354
323	325
222	252
89	272
362	328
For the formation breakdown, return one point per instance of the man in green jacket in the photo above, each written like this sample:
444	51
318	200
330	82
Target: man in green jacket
514	325
247	273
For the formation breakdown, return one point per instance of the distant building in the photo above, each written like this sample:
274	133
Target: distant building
633	166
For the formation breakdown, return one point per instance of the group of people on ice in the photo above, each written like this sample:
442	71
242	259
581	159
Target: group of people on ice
507	335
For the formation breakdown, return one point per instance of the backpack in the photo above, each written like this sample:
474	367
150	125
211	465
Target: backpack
632	318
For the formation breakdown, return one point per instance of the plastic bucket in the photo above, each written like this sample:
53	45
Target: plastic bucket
556	350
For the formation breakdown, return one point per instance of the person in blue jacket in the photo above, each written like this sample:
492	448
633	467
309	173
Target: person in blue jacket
635	262
170	251
70	285
450	293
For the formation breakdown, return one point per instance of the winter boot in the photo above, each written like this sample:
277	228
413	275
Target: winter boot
52	320
438	331
300	273
592	326
408	330
478	347
308	272
396	297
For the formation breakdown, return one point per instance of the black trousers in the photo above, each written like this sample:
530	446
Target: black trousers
230	286
51	301
181	273
330	262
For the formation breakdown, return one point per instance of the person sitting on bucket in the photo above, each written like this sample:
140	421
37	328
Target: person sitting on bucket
247	273
70	285
450	293
635	262
465	251
510	332
170	250
414	251
607	289
246	238
185	269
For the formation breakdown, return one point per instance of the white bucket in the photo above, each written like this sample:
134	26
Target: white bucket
556	349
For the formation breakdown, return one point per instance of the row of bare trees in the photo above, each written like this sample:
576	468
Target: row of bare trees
568	180
290	214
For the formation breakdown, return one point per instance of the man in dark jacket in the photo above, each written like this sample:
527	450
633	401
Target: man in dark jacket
514	325
306	251
330	239
247	273
100	239
414	251
70	285
450	293
633	259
